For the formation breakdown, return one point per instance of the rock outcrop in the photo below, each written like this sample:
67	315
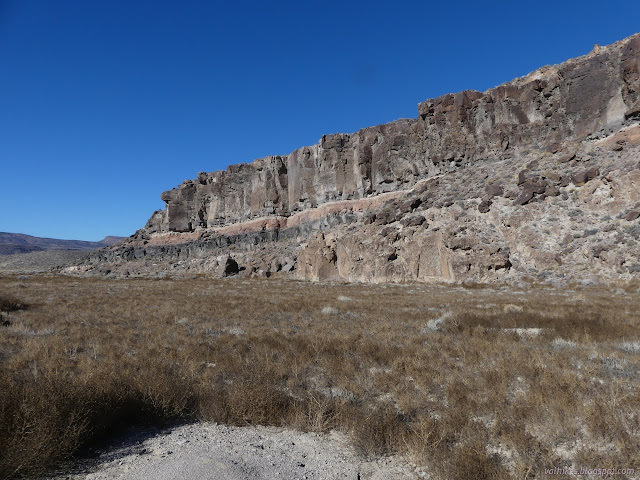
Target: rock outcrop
466	191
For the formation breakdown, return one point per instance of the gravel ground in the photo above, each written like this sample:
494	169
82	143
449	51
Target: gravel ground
211	451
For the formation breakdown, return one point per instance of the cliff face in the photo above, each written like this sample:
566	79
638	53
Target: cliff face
547	107
466	191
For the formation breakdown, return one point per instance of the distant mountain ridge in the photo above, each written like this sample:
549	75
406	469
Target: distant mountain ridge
11	243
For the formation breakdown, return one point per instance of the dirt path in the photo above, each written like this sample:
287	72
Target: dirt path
210	451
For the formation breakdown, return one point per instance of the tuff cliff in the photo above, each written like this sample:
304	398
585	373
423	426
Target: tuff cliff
445	183
551	105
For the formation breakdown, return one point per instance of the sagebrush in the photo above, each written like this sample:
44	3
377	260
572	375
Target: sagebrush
468	382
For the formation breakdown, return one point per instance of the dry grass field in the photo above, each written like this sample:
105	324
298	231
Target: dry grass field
471	382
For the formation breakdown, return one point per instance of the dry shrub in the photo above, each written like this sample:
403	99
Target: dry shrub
470	460
566	323
467	396
47	421
37	429
247	402
381	431
9	303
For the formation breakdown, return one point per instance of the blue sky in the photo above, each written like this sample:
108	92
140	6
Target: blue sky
105	104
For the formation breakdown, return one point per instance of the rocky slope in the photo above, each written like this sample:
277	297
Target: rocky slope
538	177
41	261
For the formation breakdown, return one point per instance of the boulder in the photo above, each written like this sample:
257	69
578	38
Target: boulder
484	206
276	265
288	267
551	191
494	190
566	158
524	198
227	266
583	177
632	215
535	186
415	221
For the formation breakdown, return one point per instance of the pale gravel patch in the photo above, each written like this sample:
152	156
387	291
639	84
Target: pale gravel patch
211	451
630	347
329	310
558	343
511	308
435	324
524	332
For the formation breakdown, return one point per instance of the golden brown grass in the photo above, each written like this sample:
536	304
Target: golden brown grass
469	382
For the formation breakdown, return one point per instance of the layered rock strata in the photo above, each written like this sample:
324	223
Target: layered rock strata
463	192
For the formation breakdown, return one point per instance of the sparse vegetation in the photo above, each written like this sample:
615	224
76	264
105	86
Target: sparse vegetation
470	382
9	303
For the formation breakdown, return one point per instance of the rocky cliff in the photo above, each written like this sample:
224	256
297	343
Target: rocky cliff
480	186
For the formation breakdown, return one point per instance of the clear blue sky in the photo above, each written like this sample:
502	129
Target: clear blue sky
105	104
